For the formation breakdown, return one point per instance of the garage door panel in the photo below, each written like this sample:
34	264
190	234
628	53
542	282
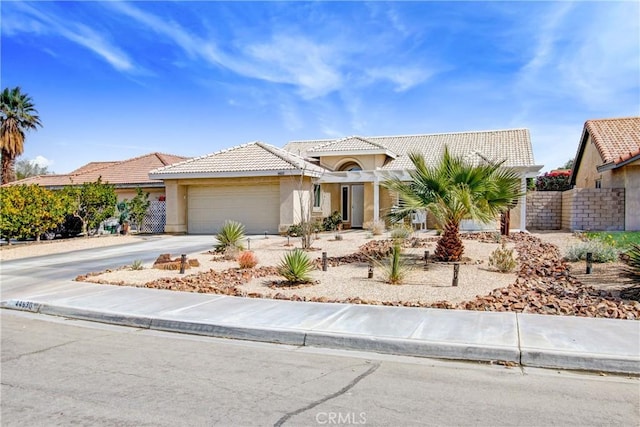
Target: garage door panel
257	207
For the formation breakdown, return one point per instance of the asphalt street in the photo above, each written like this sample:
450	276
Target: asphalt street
57	371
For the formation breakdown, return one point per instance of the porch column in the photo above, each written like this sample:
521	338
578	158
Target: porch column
523	203
376	198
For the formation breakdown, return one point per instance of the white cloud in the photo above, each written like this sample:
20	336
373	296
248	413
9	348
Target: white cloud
589	52
34	21
403	78
41	161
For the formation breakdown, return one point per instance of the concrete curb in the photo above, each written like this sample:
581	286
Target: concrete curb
584	361
412	347
516	353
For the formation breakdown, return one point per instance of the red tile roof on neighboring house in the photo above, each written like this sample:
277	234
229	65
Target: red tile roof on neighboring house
617	140
125	173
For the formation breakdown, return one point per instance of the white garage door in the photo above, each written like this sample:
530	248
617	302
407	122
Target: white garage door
255	206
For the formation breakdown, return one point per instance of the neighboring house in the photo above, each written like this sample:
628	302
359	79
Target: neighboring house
608	157
268	188
125	175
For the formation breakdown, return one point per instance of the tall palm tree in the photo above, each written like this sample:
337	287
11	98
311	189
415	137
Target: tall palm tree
454	190
17	115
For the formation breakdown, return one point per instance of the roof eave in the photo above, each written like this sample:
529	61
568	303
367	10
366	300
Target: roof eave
235	174
578	158
351	153
614	165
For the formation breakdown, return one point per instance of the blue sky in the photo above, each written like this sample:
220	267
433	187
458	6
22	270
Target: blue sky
114	80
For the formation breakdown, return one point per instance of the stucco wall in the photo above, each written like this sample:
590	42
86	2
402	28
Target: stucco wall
587	174
593	209
632	196
368	162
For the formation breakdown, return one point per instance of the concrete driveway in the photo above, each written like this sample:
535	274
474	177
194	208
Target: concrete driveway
18	276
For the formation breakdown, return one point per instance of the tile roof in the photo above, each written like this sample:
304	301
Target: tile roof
511	145
254	157
350	143
617	140
130	172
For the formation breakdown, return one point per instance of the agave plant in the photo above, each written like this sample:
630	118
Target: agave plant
295	266
230	235
632	271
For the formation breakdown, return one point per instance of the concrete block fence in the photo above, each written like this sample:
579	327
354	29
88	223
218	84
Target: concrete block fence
577	209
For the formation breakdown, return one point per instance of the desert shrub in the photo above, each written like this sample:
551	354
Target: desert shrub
231	253
231	234
338	236
295	266
375	227
601	251
400	232
137	265
247	259
295	230
395	268
502	259
331	222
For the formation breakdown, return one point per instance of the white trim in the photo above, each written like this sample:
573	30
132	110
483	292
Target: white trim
238	174
331	153
376	198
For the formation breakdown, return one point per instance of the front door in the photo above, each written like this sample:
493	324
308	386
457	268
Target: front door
357	205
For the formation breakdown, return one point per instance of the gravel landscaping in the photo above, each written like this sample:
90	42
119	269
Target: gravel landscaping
542	283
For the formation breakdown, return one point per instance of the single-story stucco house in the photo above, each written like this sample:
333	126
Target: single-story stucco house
124	175
268	188
608	157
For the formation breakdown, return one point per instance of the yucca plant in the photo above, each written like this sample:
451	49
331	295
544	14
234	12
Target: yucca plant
230	235
137	265
295	266
395	268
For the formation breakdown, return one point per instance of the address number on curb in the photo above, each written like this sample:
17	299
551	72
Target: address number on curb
24	305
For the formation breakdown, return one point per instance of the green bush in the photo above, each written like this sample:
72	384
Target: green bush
601	251
502	259
295	266
137	265
331	222
230	235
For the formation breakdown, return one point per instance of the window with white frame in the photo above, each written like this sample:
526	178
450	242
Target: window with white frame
317	196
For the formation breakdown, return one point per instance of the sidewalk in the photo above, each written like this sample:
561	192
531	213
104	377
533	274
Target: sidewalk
530	340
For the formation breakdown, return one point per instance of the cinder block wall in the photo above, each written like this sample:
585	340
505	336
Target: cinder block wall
593	209
544	210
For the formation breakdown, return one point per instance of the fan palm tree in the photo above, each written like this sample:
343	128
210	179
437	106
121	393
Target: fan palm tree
17	115
454	190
